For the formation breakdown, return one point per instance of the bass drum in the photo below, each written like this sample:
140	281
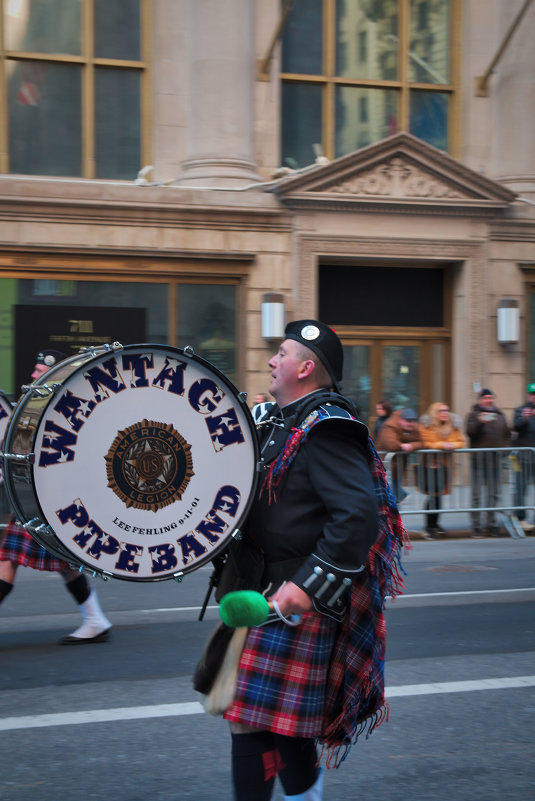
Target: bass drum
134	462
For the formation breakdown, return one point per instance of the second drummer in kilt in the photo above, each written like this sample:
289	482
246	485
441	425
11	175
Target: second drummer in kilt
17	547
328	529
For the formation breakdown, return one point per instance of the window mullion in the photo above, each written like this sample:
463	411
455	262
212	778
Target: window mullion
4	162
403	64
454	123
88	92
172	306
329	60
146	95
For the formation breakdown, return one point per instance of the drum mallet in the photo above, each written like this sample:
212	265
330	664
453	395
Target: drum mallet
250	608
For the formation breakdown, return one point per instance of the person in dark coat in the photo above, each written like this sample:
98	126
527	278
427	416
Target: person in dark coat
314	519
524	426
383	410
486	427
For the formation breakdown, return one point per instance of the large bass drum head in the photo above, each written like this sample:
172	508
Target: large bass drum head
145	462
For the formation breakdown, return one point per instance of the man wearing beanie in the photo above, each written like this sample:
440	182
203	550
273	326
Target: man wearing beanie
321	505
486	427
524	425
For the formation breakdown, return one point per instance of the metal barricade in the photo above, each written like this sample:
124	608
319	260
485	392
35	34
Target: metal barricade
492	487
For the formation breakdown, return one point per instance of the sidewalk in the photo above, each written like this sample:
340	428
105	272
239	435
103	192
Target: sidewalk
457	524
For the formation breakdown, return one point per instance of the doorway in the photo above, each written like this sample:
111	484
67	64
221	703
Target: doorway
394	320
408	372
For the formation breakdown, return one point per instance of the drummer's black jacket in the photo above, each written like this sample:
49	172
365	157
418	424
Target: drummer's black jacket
324	511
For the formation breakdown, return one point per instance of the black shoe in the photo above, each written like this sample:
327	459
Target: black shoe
430	534
476	534
104	636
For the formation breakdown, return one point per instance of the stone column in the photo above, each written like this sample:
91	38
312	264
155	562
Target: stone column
222	75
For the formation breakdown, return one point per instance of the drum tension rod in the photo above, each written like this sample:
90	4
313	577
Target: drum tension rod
31	523
44	529
42	390
19	457
178	577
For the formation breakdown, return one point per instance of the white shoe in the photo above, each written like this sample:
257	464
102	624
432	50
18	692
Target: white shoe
526	526
95	626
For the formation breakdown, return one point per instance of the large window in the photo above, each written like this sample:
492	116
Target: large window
73	84
68	314
356	71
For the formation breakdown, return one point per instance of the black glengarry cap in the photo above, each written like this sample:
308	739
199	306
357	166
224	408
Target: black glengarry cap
323	341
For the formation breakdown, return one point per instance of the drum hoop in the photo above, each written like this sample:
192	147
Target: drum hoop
7	406
13	421
188	354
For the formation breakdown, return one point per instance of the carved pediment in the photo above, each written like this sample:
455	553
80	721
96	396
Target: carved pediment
397	178
399	170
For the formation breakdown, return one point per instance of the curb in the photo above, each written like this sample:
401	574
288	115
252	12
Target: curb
464	535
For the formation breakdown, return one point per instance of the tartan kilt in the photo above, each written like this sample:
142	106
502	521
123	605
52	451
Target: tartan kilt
19	547
282	676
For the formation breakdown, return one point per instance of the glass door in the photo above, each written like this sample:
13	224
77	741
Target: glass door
401	375
406	372
357	380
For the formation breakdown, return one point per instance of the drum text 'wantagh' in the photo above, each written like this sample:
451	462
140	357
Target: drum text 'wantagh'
106	380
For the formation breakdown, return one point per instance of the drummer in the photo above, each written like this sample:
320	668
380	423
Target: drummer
17	547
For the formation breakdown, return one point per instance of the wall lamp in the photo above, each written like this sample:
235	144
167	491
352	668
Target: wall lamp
508	321
273	322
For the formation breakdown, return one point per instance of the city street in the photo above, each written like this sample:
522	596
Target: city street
120	719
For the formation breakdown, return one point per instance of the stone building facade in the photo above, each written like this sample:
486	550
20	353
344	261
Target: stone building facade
407	249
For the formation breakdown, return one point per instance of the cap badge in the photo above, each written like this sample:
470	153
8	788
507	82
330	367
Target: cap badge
310	332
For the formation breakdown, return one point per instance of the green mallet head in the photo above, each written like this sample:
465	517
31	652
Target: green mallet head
243	608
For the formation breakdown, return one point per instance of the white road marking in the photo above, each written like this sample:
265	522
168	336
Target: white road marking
408	690
399	599
100	716
462	592
195	708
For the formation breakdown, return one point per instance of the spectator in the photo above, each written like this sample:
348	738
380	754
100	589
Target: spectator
441	431
383	410
524	425
259	406
400	432
486	427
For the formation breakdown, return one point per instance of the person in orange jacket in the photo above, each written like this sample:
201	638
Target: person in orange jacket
440	431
